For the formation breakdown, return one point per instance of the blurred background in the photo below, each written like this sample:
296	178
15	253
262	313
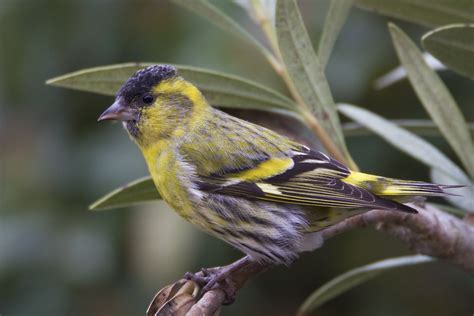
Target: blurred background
58	258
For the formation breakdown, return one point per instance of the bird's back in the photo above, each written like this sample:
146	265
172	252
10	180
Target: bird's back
223	144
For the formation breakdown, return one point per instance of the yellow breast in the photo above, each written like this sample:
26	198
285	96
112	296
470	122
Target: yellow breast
168	175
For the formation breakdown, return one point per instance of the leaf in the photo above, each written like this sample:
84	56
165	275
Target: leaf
102	80
425	12
355	277
399	73
305	70
333	23
453	45
266	7
419	127
219	89
407	142
138	191
465	200
212	14
436	98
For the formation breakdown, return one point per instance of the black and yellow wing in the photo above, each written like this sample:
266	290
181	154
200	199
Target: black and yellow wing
306	178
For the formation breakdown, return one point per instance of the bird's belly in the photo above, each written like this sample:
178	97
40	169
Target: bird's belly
267	232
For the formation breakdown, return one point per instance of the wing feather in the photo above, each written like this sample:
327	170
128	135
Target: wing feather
312	179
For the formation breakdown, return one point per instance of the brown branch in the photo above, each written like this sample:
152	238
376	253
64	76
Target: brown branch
430	232
213	300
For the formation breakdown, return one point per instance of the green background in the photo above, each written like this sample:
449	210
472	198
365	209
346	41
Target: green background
57	258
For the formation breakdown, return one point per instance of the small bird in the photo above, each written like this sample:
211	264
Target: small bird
259	191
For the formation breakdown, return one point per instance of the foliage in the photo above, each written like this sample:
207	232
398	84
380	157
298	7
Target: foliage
354	277
454	45
301	68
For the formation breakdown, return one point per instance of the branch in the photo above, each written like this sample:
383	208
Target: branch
430	232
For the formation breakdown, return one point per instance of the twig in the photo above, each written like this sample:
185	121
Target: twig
213	300
430	232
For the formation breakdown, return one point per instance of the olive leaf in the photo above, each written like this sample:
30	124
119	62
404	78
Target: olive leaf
399	72
424	12
435	97
333	23
355	277
220	89
453	45
305	70
212	14
266	10
407	142
135	192
418	127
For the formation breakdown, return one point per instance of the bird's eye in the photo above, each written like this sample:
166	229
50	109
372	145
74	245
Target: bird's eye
147	98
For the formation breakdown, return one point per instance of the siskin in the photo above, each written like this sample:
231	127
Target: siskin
259	191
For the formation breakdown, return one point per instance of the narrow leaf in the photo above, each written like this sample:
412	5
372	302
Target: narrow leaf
424	12
454	46
266	7
436	98
418	127
305	70
138	191
102	80
399	72
335	19
212	14
220	89
355	277
407	142
465	200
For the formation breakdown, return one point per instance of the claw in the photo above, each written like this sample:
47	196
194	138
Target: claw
199	279
205	272
209	278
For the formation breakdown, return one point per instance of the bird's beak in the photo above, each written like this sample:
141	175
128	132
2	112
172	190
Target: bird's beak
119	111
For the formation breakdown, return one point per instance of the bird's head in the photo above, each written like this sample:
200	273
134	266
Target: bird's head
155	104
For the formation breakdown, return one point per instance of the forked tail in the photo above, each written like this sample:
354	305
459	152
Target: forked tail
386	187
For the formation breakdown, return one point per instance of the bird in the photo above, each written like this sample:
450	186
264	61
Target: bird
259	191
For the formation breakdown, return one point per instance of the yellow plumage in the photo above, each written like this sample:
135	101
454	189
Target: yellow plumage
255	189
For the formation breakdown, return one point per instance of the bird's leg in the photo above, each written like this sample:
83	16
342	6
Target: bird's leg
208	278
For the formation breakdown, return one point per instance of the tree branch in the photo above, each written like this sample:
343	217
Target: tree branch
430	232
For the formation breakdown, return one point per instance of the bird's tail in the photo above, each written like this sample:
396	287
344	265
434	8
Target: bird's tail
388	187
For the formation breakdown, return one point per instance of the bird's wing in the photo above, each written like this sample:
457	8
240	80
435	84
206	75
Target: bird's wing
307	178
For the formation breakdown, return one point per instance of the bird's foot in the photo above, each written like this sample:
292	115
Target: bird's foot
217	278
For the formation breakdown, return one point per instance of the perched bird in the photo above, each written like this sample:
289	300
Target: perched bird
257	190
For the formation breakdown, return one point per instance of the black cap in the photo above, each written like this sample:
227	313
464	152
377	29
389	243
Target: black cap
143	80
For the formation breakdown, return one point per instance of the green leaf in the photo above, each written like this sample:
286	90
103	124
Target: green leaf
333	23
419	127
465	200
257	9
138	191
425	12
212	14
305	70
435	97
407	142
355	277
399	72
220	89
453	45
102	80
